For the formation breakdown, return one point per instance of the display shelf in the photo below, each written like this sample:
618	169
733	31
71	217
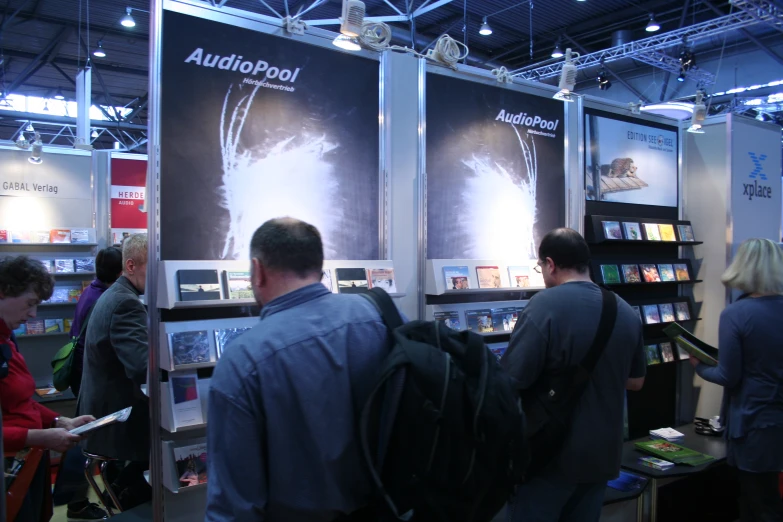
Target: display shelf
209	326
54	305
73	274
167	421
645	242
595	234
484	291
36	336
611	286
436	282
212	303
192	427
57	245
66	395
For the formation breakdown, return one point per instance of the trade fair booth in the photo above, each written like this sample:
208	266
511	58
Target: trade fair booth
435	182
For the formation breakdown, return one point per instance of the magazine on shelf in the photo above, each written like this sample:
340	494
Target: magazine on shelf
191	464
48	264
456	277
117	416
652	231
519	276
667	312
651	314
382	278
185	400
682	312
190	348
504	319
681	272
650	274
498	349
54	326
652	354
35	327
479	320
63	266
666	352
198	285
224	336
488	276
667	273
686	233
80	235
58	236
610	274
239	285
667	232
351	280
20	236
633	231
692	344
449	318
612	230
41	236
84	264
631	274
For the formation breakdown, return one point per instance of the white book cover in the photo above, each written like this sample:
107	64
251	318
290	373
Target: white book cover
382	278
519	276
185	401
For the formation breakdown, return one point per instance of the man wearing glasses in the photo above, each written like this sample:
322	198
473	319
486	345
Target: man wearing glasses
556	330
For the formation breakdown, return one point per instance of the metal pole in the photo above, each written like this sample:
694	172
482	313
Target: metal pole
83	104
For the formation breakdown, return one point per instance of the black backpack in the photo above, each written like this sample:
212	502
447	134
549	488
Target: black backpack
443	430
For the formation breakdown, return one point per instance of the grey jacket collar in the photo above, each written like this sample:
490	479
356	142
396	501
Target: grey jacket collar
124	281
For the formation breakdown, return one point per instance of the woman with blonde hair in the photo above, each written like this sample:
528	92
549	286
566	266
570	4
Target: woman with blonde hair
750	368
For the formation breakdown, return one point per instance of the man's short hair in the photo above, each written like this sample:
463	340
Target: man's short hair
18	274
288	244
567	248
134	247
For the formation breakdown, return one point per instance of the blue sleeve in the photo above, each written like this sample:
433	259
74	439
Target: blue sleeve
237	490
728	372
525	357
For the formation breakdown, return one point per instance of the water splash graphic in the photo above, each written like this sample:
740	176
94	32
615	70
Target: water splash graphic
280	177
499	207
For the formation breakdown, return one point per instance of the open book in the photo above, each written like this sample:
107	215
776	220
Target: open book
117	416
692	344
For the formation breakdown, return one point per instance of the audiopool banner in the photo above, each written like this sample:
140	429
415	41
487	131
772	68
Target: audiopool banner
495	170
255	126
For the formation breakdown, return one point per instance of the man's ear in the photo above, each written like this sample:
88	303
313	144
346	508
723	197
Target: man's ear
258	275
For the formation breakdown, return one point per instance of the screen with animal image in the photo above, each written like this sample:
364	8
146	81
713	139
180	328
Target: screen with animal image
630	161
256	126
495	170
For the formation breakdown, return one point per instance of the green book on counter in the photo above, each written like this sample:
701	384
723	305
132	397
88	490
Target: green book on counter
673	452
692	344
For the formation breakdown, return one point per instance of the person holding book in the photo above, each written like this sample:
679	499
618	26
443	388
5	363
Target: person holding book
750	368
24	283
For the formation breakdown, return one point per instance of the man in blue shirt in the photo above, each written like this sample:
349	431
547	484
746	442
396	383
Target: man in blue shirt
282	435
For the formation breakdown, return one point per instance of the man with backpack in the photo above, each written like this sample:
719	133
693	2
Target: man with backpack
285	397
574	351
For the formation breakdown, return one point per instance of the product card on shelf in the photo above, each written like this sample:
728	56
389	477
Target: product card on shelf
456	277
80	235
191	465
519	276
382	278
185	401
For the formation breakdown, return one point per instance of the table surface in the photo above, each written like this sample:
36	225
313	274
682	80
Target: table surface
713	446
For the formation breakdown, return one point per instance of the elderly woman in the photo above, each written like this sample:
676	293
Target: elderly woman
24	283
750	369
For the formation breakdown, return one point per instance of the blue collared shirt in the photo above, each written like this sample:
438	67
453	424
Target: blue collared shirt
282	435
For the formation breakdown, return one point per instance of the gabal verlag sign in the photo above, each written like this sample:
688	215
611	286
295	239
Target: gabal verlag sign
59	176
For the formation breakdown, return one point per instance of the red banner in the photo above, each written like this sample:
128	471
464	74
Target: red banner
128	188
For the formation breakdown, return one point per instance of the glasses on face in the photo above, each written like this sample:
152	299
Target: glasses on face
537	268
5	358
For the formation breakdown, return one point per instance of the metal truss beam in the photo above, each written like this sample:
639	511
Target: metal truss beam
672	65
762	10
646	49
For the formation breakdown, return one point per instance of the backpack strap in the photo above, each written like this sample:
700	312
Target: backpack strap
386	307
605	329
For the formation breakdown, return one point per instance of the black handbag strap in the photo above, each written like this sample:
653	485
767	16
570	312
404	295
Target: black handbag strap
84	324
605	329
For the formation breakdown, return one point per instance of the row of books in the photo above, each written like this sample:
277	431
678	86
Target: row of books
663	353
43	326
194	347
57	235
652	231
663	313
483	321
67	293
204	285
647	273
457	277
70	266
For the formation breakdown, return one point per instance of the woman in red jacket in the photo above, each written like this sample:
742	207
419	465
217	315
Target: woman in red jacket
24	283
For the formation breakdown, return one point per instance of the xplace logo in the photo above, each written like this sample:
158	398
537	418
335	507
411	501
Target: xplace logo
754	189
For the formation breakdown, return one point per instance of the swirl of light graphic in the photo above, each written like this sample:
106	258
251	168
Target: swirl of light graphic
287	177
499	207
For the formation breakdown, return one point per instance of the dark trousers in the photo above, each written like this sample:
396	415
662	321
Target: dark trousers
71	486
131	486
33	507
760	497
546	499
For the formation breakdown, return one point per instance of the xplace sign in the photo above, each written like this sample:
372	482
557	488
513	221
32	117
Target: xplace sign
755	189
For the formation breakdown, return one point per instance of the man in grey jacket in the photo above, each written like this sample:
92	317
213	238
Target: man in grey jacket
115	368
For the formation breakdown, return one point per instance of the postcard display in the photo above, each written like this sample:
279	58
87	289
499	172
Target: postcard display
495	184
272	137
46	213
636	239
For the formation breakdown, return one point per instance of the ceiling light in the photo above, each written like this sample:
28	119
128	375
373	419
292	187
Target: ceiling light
30	127
99	52
681	77
485	30
567	78
760	116
36	151
46	106
699	114
59	95
652	25
94	133
352	18
603	80
346	43
557	52
127	20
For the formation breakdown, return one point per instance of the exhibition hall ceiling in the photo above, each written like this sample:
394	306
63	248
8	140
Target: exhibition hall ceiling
44	42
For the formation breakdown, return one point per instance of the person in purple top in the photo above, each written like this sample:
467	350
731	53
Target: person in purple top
750	369
108	267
